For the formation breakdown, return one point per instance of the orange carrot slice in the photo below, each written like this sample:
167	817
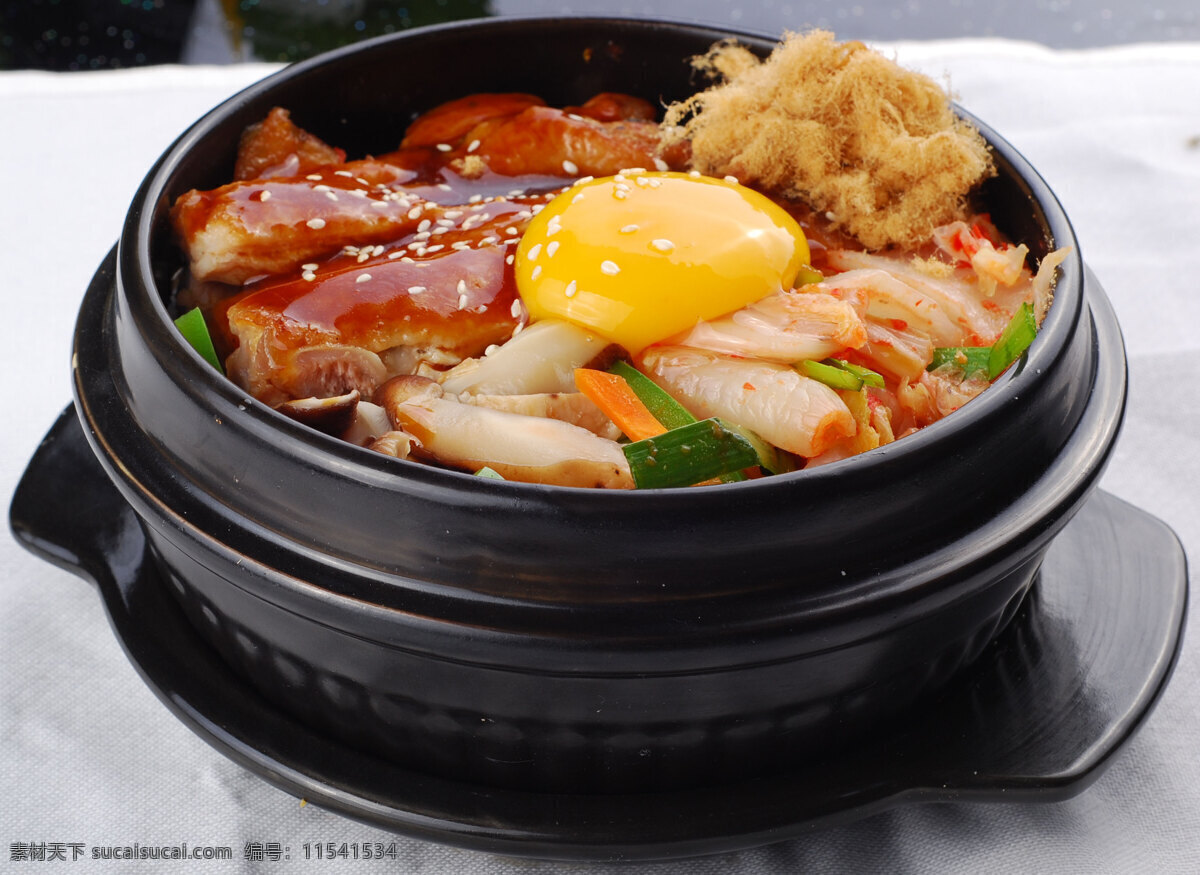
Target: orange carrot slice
619	403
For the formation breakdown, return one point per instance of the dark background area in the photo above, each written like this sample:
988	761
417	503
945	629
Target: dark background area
107	34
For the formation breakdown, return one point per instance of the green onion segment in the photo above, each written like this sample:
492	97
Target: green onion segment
1013	340
194	330
994	359
838	374
969	359
489	473
662	406
689	454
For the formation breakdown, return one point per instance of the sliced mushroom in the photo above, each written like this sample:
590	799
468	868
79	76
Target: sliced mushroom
541	358
398	444
370	422
333	416
529	449
573	407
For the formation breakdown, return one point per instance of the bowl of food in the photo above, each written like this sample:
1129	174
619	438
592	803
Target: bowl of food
546	444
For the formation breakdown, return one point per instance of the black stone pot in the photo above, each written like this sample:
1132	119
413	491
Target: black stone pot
560	639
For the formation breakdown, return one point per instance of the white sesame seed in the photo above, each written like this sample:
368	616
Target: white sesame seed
444	147
620	195
414	212
379	205
537	208
516	192
515	309
363	278
574	117
363	256
452	214
461	287
445	223
316	224
517	330
331	195
312	265
583	180
461	245
609	268
508	259
571	288
662	244
474	145
462	302
551	248
633	170
444	187
829	215
359	192
534	251
619	178
398	253
321	187
490	240
660	164
435	247
732	179
577	198
361	181
642	181
420	251
264	195
421	235
510	230
570	167
309	275
491	347
628	229
537	272
345	173
415	290
314	177
425	225
475	198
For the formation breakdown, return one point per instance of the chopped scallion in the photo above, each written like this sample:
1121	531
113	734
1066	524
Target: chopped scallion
488	473
688	454
1013	340
662	406
831	375
194	330
868	376
770	458
969	359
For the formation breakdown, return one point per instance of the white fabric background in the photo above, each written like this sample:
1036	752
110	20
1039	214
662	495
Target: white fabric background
87	754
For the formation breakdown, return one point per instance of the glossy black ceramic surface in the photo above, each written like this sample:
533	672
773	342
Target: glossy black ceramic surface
577	640
1038	717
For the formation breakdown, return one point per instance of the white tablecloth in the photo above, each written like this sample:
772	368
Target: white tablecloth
89	755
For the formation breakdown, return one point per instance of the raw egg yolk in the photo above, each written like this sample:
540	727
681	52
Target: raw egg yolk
639	257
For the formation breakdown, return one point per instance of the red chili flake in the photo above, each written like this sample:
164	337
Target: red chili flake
749	387
899	324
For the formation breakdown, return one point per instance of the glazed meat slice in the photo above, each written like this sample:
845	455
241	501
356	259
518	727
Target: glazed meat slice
546	141
257	227
324	335
277	147
450	122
